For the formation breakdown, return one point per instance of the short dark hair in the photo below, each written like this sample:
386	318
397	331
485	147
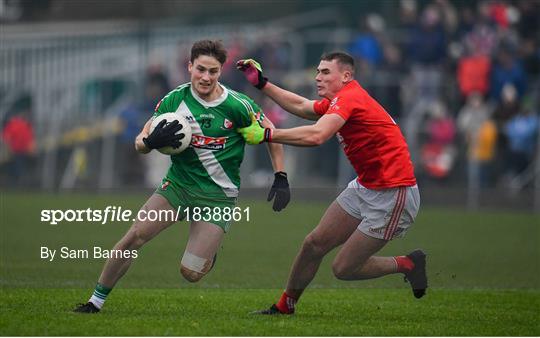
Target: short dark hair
210	48
342	58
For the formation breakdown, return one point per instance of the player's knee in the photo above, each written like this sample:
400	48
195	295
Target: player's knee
314	246
194	268
133	239
140	237
190	275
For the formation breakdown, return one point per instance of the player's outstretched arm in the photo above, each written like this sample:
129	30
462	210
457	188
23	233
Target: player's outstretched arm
304	136
279	191
291	102
309	136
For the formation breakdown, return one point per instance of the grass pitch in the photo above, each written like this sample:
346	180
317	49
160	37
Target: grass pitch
358	312
484	271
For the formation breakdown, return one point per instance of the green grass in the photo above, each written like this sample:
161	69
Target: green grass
484	271
373	312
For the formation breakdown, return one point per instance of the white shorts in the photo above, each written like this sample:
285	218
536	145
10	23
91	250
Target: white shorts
384	214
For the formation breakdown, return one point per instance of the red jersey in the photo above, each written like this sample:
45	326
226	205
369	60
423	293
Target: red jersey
370	138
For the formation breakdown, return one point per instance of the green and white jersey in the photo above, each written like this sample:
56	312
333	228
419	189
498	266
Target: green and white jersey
210	167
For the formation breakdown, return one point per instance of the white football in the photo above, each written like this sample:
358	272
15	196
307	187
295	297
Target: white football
186	130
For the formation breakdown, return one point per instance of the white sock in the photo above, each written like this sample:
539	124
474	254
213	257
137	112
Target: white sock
98	302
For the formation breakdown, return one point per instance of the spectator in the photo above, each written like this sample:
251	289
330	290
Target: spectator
507	70
449	15
482	39
473	74
528	26
472	115
499	13
521	132
427	51
466	22
441	127
408	18
438	153
428	44
480	134
366	46
408	13
482	151
530	54
19	138
508	106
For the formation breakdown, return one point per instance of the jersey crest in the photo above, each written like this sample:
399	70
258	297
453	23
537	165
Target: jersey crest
333	104
227	124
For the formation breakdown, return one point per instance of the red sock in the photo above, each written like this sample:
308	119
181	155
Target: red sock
404	264
286	303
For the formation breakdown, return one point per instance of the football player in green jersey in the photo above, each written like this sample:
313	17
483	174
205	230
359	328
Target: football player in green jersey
204	177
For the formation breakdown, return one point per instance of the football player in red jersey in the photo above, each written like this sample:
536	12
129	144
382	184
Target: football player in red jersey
376	207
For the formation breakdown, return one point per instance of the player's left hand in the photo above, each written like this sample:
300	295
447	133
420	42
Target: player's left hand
280	189
254	133
253	72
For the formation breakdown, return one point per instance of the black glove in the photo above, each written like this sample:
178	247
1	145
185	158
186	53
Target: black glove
164	135
280	189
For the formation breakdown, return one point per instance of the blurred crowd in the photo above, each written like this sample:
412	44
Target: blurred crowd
461	79
469	86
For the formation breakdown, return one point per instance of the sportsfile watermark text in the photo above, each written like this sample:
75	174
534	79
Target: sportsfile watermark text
119	214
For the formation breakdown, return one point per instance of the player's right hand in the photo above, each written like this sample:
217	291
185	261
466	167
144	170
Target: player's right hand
253	72
164	135
254	133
